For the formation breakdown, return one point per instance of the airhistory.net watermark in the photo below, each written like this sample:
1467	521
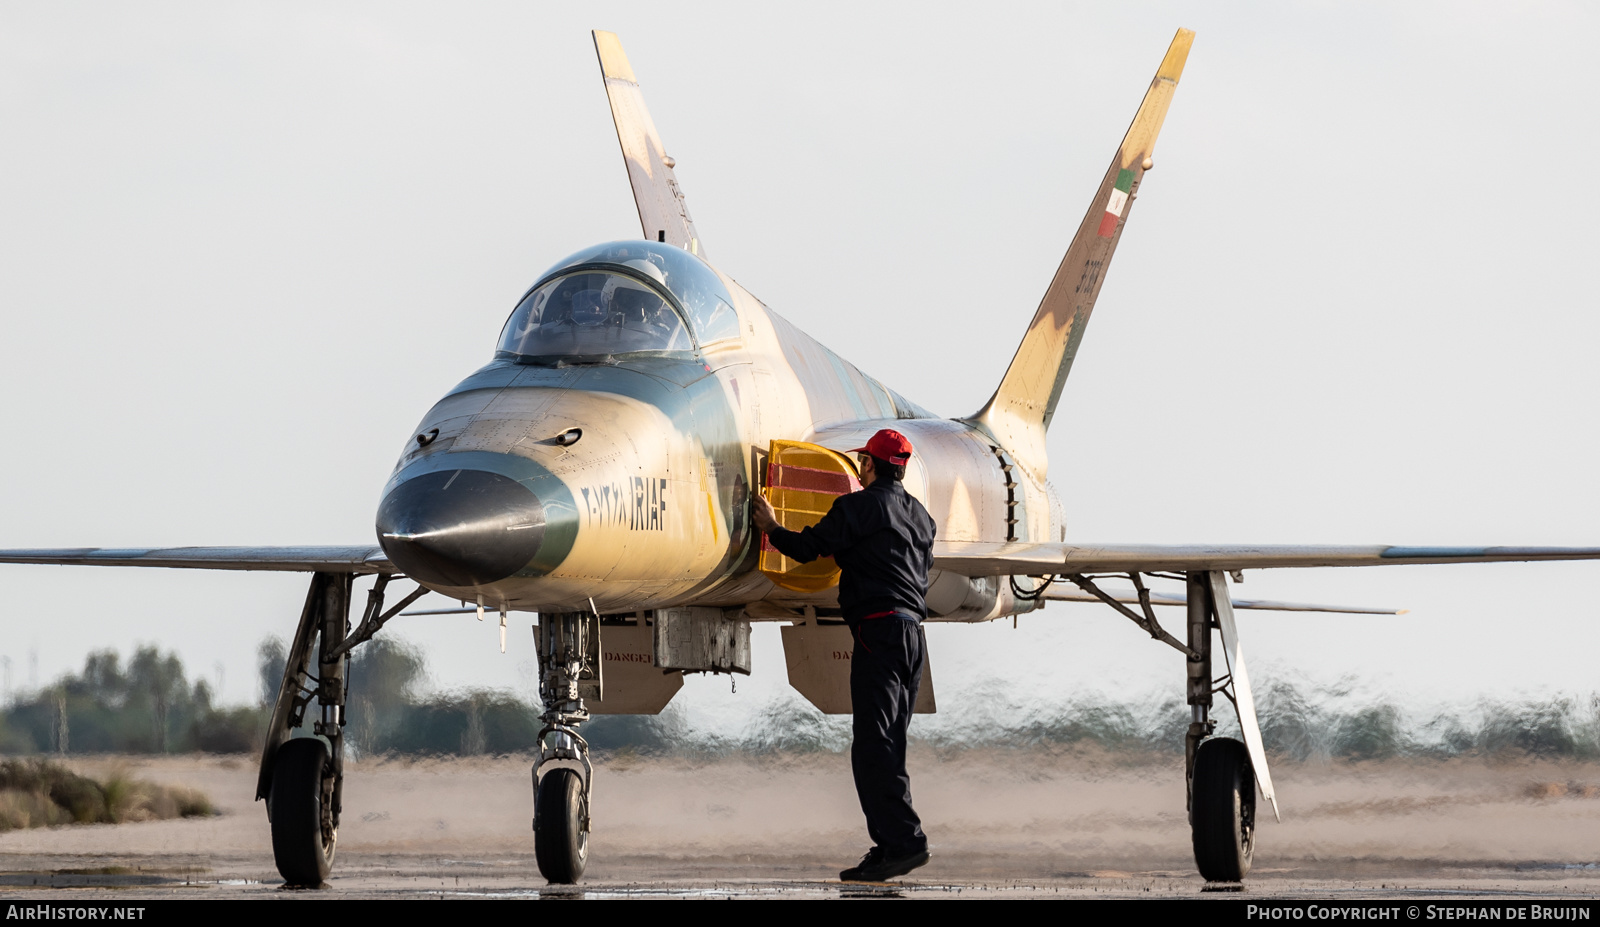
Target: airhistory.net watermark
72	912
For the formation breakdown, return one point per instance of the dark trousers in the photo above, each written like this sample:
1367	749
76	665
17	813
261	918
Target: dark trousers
885	673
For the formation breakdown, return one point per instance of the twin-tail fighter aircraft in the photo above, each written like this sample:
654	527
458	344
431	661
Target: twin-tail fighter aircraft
598	471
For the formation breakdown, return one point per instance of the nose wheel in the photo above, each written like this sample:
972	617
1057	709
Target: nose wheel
561	825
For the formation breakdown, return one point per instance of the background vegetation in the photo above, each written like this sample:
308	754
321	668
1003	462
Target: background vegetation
146	704
41	793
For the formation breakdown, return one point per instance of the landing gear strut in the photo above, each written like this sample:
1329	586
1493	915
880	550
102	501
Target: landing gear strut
1221	779
302	779
569	668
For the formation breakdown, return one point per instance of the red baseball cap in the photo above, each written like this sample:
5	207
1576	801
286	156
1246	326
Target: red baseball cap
889	445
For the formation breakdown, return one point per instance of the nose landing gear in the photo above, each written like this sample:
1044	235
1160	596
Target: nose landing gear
569	669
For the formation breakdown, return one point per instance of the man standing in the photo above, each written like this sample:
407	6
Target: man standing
882	539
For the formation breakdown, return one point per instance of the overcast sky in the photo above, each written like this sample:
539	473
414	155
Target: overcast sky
244	247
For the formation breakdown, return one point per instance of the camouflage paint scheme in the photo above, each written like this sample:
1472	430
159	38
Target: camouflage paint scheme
650	508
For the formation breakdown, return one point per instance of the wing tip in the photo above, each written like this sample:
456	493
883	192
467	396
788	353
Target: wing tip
613	60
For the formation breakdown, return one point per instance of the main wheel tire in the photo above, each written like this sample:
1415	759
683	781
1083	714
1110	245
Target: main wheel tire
559	841
1224	811
300	846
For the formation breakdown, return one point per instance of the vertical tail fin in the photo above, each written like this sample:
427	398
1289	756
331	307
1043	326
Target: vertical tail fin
662	212
1020	411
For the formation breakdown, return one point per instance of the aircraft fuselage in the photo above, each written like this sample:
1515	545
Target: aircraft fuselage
625	480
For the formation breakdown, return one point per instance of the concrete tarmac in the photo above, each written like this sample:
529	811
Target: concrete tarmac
1003	824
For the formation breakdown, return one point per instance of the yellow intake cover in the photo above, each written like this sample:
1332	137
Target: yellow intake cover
802	482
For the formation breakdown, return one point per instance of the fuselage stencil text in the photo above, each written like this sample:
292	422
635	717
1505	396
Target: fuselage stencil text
638	503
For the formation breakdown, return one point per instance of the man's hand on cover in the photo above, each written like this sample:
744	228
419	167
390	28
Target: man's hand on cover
761	513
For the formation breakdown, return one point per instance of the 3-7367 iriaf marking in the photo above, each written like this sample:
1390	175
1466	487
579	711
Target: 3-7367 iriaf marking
597	471
638	502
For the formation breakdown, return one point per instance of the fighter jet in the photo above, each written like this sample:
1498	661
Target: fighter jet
598	472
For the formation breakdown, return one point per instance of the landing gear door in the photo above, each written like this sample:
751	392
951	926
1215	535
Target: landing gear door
802	480
1243	700
818	657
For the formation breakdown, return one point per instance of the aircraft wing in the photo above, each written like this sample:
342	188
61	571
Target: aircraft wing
282	559
1041	558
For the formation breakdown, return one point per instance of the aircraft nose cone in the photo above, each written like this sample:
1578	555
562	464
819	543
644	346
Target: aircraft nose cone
461	527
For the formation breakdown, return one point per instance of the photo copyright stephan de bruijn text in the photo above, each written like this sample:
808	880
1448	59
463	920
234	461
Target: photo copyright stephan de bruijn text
1518	911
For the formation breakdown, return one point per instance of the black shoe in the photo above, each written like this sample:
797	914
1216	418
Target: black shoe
872	858
878	866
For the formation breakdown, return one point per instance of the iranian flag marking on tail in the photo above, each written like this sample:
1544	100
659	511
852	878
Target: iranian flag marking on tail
1116	203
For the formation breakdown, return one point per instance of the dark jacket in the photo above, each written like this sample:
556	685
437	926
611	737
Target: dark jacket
882	539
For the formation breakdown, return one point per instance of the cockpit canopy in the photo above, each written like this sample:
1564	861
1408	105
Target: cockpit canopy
594	313
625	297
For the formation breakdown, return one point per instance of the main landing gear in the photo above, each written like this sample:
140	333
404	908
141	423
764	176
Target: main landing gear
302	778
569	668
1222	774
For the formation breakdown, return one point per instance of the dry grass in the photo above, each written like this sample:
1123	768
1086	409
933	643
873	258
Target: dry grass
42	793
1539	790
